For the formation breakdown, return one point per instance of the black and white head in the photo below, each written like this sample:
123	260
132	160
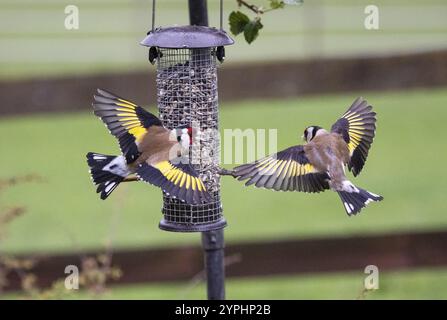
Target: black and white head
311	132
184	136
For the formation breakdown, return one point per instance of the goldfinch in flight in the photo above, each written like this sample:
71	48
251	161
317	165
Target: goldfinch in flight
320	163
150	151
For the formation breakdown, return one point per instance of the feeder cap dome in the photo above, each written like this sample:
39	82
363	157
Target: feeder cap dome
186	37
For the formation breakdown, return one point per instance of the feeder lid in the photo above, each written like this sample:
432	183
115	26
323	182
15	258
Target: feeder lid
187	37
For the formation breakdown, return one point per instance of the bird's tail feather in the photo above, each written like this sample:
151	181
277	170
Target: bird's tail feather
107	172
355	200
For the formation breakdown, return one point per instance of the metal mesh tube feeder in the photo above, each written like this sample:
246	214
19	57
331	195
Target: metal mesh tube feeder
187	59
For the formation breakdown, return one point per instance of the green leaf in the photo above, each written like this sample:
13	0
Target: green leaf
251	30
238	22
276	4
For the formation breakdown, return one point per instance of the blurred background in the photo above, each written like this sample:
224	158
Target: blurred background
307	66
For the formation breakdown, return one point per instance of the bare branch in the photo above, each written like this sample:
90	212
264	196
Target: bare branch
252	7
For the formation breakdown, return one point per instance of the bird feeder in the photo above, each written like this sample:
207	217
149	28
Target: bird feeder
187	58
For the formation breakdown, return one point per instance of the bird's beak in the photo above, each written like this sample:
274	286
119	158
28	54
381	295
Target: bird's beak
302	137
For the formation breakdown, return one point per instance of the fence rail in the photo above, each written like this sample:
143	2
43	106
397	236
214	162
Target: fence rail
241	81
257	259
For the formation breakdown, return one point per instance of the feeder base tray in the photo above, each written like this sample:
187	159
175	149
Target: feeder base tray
175	227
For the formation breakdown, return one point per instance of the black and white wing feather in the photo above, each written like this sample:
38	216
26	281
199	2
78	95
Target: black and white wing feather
178	179
127	121
287	170
357	127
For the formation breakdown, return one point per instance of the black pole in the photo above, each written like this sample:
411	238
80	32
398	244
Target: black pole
213	246
198	12
212	241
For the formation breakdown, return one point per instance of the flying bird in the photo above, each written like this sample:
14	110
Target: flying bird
320	163
150	152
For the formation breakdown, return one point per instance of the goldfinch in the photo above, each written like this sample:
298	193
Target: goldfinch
320	163
150	151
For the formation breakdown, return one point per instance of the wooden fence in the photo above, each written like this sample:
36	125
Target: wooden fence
237	81
291	256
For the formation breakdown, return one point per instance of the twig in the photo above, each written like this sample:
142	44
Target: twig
252	7
20	179
10	214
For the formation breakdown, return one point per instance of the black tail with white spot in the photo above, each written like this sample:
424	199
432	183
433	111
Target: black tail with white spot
355	200
107	172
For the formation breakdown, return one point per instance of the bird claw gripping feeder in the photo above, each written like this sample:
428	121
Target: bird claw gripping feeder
186	58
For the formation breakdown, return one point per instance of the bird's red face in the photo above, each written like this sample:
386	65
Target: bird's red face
190	135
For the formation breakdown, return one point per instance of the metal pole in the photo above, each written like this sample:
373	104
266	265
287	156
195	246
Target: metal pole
153	15
198	12
212	241
213	246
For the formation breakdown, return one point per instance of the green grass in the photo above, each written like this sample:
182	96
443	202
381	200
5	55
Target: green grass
36	42
421	284
64	213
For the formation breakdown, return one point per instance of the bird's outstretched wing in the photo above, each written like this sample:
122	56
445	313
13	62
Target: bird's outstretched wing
179	180
357	127
127	121
287	170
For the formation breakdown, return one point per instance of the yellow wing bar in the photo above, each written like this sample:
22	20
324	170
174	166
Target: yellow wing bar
180	181
357	126
356	130
179	177
288	170
127	121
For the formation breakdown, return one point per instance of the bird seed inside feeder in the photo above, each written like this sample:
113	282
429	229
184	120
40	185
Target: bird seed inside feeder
187	96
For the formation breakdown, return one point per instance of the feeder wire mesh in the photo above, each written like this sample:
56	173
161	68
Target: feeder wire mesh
187	97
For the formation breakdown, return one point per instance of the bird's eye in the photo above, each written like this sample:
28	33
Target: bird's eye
179	138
